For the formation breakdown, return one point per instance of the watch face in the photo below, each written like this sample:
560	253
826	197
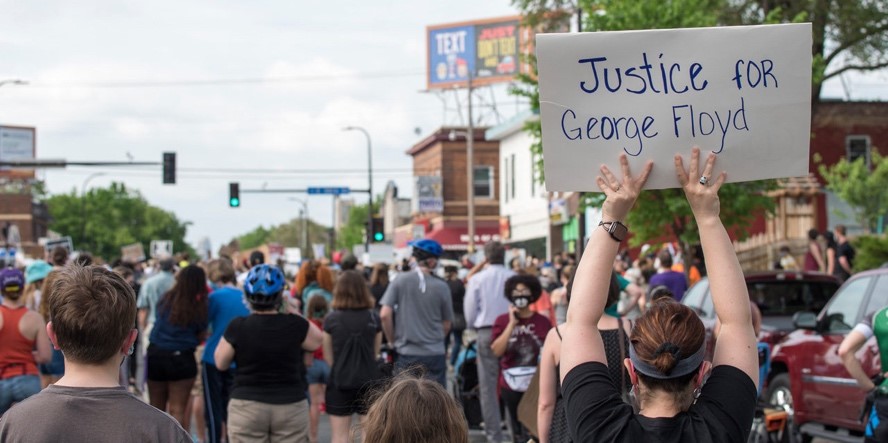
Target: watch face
618	231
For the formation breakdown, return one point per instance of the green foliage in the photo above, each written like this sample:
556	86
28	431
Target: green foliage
847	35
105	219
620	15
254	238
353	232
666	211
864	188
288	234
872	252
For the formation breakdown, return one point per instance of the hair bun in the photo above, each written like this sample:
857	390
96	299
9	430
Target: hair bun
668	348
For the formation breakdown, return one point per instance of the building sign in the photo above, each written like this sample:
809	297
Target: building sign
17	143
651	94
488	50
429	193
558	213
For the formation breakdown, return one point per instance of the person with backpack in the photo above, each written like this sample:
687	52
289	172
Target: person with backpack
352	339
268	399
417	313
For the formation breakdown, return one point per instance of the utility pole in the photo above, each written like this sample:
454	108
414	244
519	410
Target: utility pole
470	172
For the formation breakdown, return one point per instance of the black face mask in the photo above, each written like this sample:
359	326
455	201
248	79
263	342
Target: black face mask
521	302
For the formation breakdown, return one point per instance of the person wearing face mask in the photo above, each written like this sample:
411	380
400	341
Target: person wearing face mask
518	337
417	313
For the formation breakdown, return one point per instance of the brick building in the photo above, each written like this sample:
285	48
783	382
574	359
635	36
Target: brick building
30	217
443	154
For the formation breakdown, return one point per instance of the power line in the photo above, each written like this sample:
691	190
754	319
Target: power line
230	81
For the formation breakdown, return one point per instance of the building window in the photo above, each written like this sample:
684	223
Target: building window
512	178
858	146
506	181
483	181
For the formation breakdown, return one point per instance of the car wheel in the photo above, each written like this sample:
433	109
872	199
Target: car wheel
780	395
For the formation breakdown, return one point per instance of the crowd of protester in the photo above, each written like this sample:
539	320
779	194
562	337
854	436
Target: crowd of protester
599	347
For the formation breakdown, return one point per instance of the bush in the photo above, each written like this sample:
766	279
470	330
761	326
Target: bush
872	252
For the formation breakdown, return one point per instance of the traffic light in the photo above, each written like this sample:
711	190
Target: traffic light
169	168
234	195
377	231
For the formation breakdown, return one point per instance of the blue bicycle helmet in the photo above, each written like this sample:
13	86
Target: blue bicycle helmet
264	285
425	248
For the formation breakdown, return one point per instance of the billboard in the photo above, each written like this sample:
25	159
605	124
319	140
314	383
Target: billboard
17	143
488	50
430	193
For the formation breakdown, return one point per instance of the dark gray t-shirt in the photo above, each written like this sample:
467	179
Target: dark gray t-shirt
61	413
418	314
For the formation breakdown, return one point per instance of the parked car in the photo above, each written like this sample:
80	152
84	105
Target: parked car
778	295
807	376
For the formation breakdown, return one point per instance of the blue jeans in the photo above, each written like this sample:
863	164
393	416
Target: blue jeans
432	367
457	337
16	389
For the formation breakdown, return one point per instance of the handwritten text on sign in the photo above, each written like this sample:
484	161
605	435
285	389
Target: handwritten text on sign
741	92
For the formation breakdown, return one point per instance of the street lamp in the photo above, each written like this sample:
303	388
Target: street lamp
83	205
369	182
303	213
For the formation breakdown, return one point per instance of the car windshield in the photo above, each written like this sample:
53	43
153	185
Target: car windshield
785	298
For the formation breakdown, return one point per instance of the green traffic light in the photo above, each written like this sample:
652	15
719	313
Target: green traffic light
378	236
234	202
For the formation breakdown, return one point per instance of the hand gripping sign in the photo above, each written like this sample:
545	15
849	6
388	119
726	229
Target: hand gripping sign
742	92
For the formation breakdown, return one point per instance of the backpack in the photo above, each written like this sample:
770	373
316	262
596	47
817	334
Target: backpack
355	366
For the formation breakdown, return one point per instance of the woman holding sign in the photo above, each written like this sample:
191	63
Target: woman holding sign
665	361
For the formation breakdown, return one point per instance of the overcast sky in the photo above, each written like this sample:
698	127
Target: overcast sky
328	64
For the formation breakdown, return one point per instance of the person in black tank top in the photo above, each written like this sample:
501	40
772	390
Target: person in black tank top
551	416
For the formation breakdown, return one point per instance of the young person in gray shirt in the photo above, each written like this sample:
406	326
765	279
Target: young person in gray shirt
93	314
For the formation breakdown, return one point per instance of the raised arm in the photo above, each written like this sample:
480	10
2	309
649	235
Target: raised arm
736	345
592	277
548	386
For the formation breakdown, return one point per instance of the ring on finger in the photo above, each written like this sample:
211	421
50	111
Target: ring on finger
704	180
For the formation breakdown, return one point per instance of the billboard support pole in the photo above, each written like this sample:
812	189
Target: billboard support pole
470	172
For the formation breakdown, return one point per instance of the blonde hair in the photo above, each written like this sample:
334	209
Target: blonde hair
415	410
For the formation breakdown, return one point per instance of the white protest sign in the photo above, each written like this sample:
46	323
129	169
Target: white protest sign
161	248
742	92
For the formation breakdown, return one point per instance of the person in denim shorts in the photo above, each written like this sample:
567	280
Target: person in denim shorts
20	330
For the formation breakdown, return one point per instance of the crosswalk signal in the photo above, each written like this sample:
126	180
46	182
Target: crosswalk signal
169	168
377	231
234	195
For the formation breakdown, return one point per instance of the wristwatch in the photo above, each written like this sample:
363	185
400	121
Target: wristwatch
617	230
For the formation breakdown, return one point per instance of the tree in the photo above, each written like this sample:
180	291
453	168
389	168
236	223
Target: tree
662	211
848	35
105	219
354	231
254	238
288	234
864	187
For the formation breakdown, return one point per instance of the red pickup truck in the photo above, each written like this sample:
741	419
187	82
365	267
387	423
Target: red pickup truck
807	375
